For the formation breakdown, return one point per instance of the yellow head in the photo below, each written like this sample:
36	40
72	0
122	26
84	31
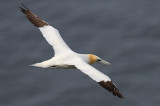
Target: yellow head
95	59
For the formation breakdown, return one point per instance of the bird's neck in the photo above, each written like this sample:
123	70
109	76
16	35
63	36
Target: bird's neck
89	58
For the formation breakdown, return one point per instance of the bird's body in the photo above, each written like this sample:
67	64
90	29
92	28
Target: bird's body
66	58
62	61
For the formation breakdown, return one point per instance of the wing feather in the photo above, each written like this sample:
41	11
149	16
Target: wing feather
51	34
99	77
54	39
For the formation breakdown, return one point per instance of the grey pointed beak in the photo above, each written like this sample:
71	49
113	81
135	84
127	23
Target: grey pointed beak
105	62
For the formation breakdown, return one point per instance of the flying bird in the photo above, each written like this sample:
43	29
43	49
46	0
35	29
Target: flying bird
66	58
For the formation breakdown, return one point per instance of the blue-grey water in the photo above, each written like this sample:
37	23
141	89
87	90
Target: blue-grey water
125	33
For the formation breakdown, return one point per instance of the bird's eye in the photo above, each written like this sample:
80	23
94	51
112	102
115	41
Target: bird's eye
98	60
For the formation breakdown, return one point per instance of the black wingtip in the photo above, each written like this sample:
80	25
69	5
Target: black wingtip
34	19
111	88
23	8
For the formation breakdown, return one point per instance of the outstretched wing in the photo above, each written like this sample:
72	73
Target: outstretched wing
51	34
99	77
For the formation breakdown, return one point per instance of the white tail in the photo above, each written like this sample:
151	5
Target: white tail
43	64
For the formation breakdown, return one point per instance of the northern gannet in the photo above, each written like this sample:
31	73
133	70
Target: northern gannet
66	58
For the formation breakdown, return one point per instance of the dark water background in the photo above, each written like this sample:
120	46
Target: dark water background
124	32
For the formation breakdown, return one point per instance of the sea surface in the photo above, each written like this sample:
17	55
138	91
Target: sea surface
124	32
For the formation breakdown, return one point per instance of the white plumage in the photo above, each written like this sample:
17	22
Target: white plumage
66	58
56	41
